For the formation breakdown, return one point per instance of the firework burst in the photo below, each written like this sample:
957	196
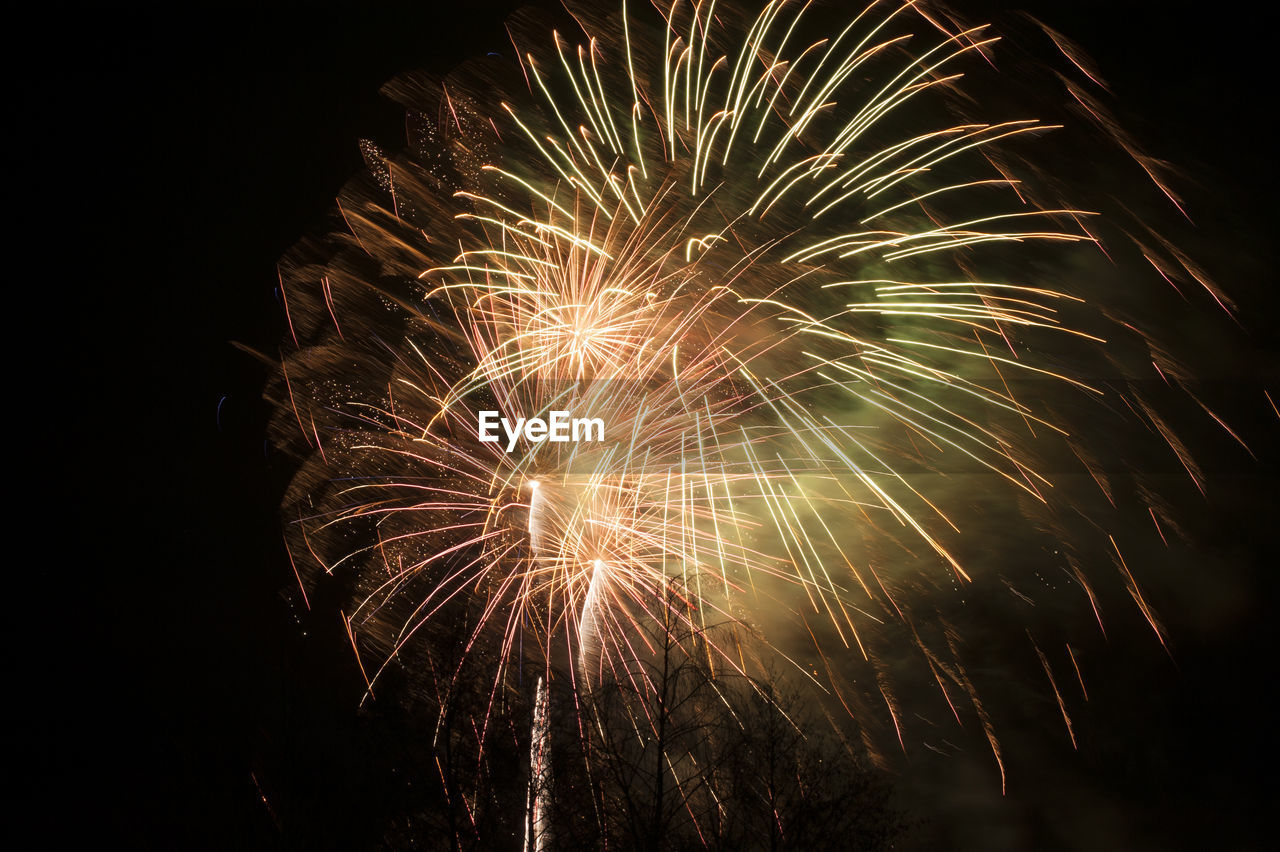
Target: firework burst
818	290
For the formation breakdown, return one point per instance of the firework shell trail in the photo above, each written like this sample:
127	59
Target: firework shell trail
852	323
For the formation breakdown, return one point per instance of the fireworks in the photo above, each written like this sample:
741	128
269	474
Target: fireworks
830	315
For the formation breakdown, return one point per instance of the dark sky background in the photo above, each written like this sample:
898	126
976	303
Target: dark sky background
204	143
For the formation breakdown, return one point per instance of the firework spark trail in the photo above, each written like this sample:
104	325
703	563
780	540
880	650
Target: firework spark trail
537	825
749	249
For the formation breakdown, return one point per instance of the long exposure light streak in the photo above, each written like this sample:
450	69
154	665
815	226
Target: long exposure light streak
825	321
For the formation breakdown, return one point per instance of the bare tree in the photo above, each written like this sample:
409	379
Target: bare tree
791	782
676	752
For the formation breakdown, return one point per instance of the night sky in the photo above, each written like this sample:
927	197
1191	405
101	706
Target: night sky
203	144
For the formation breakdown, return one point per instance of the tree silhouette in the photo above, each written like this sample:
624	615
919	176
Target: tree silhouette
679	751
